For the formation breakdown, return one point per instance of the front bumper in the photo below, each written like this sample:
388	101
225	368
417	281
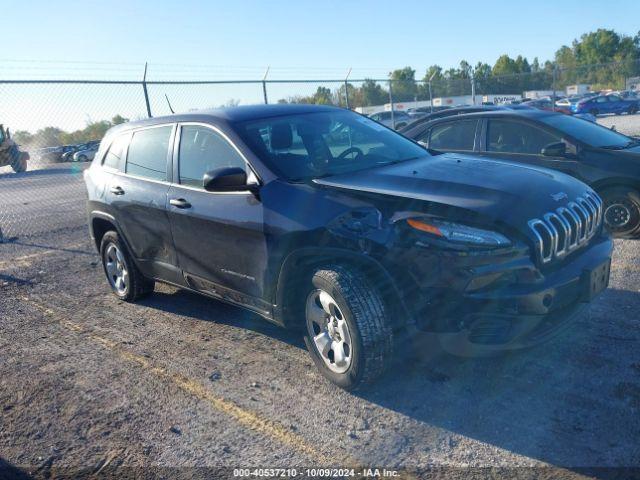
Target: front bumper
510	315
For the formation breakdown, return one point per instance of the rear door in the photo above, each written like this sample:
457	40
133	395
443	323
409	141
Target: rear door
616	104
137	195
219	236
521	141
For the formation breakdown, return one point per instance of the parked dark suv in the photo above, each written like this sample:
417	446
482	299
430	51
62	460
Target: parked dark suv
606	160
319	218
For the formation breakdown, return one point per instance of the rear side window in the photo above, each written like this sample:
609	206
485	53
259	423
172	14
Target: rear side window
115	155
148	150
458	135
203	150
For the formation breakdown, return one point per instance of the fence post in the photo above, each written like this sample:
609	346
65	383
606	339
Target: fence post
264	86
553	86
346	89
473	89
144	89
393	117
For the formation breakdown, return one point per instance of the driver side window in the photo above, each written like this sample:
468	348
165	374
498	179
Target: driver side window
202	150
504	136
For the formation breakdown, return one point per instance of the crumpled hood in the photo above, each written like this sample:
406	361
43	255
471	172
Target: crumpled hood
498	190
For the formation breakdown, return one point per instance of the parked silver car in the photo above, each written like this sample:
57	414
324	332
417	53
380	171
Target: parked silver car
401	119
86	154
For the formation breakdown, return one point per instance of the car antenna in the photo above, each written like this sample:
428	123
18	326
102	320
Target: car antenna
169	103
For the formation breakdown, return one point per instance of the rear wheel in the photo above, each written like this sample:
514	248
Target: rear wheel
622	211
349	337
126	281
19	165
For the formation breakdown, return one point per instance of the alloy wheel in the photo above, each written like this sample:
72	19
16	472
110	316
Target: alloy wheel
116	269
329	331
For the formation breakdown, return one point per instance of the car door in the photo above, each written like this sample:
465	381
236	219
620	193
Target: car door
522	141
218	236
137	197
616	104
603	105
458	135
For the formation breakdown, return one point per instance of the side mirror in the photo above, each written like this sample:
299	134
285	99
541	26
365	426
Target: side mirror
227	179
558	149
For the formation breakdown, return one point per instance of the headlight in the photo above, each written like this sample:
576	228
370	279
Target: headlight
458	233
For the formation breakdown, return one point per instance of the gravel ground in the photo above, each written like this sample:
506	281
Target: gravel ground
90	383
627	124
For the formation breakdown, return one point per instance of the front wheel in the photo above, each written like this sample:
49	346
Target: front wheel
126	281
594	112
348	332
633	109
81	158
622	211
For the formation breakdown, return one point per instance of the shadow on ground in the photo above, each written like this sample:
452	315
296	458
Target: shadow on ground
573	402
11	472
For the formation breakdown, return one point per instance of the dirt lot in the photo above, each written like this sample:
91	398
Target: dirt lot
89	383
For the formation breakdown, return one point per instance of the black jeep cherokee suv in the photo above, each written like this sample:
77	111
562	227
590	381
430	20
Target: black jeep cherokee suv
320	218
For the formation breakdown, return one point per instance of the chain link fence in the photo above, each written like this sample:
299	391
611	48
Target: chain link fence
55	119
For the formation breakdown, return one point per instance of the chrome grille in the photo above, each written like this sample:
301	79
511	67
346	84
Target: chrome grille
568	228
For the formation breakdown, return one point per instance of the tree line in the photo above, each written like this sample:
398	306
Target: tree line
603	59
54	136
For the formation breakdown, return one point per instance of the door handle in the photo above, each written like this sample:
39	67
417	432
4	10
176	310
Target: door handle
179	203
117	190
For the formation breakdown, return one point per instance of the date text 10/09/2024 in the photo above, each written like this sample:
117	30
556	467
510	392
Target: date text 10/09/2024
315	472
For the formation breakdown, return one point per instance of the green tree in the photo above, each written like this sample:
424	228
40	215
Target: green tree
403	84
373	93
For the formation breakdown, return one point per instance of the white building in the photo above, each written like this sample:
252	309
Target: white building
579	89
535	94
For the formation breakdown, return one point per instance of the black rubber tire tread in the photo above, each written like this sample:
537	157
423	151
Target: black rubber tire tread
139	285
367	310
634	197
19	165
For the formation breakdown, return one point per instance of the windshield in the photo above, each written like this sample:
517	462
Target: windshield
587	132
312	145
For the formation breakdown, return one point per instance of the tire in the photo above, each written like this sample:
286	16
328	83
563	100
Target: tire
19	165
81	158
136	285
633	109
594	112
622	211
358	307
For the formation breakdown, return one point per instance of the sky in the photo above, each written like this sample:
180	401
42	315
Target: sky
298	39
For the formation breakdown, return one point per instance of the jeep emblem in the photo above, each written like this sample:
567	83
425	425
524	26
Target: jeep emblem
559	196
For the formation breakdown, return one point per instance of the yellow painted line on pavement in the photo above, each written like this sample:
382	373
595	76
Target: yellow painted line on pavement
245	417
